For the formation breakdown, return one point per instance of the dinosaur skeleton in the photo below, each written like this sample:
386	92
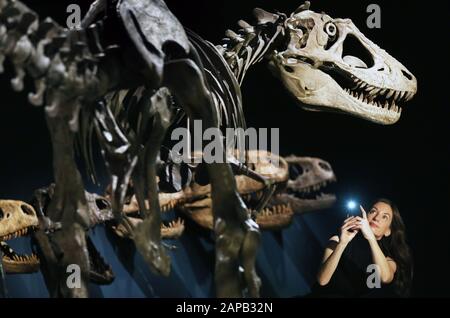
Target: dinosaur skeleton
74	70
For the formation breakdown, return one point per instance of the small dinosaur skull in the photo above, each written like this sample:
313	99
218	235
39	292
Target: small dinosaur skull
17	219
308	174
319	68
307	179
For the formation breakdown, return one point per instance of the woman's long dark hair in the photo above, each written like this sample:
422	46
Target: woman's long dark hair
396	247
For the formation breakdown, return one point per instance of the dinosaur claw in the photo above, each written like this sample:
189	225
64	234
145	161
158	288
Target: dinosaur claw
35	99
17	84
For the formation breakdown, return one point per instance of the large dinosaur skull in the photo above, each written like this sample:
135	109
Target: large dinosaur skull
308	174
319	68
17	219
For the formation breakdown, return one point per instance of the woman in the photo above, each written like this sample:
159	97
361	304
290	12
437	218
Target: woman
375	238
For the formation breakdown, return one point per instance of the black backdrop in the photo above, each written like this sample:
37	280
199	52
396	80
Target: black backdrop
407	162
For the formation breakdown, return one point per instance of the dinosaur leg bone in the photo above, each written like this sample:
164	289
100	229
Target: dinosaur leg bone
68	245
147	234
232	224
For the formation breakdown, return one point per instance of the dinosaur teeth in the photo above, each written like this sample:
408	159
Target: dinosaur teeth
374	91
368	88
383	91
388	95
409	95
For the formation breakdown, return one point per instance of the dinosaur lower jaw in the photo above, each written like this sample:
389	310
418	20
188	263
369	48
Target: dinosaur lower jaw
272	217
275	217
14	263
359	98
100	272
172	230
169	230
301	206
168	202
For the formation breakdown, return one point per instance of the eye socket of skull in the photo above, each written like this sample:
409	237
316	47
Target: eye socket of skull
295	171
330	29
27	210
325	166
102	204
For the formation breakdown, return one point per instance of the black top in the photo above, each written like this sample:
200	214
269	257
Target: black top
351	275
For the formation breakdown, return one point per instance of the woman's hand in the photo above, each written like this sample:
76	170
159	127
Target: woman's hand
364	226
348	230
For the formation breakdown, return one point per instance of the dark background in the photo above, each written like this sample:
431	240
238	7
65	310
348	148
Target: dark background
407	162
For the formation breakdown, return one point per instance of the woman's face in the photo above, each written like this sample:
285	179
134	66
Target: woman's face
380	219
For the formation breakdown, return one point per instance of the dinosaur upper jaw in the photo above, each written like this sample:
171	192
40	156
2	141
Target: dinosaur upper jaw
100	272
